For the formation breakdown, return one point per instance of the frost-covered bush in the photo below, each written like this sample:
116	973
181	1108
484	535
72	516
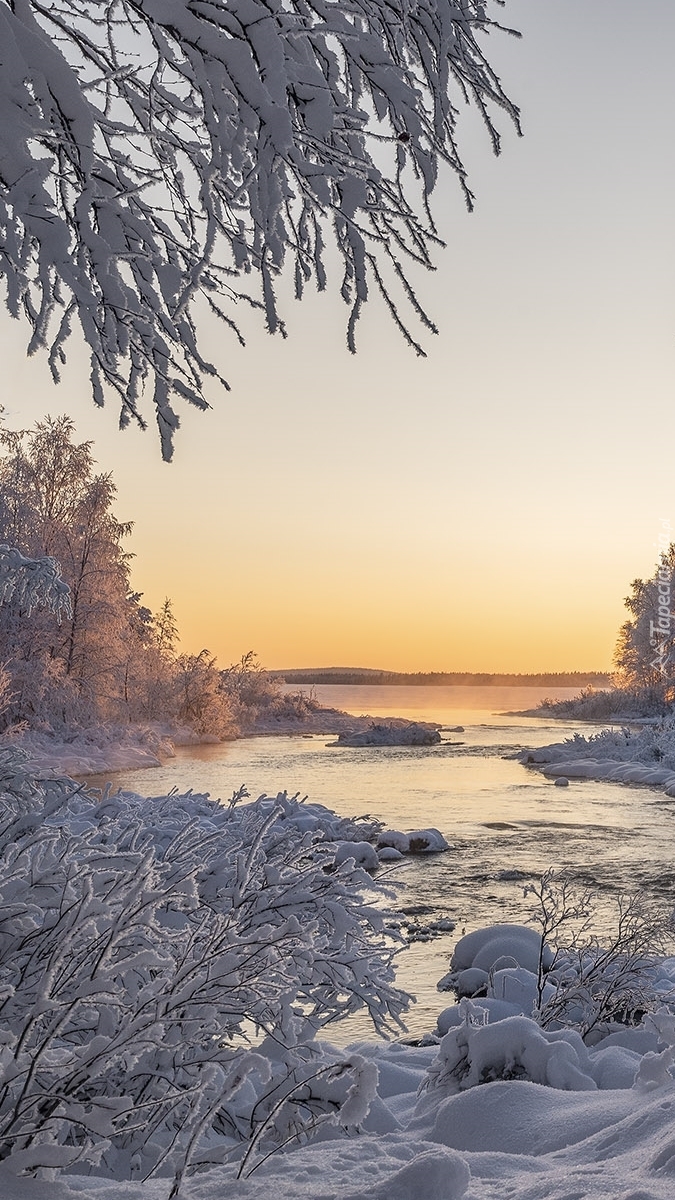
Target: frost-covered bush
587	983
561	974
651	745
605	705
478	1052
165	965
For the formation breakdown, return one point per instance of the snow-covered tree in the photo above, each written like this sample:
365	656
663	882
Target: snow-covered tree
645	651
166	629
156	155
199	698
27	583
69	665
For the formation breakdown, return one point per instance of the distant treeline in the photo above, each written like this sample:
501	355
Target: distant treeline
356	676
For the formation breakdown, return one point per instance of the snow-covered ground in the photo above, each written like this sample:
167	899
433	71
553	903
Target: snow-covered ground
503	1141
99	750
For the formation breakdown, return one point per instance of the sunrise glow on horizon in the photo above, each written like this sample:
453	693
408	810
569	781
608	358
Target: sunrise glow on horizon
485	508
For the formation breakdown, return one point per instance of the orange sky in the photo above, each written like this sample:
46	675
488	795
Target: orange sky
486	508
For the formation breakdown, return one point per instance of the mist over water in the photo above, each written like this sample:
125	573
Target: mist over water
506	823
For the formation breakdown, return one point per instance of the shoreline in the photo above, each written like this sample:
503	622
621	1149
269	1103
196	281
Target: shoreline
106	750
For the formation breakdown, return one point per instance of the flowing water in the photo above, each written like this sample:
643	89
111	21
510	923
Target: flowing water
506	823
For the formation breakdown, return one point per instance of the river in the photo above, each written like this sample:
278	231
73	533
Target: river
506	823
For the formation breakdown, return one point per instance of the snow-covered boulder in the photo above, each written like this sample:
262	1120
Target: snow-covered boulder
544	754
426	841
484	947
387	854
393	838
614	1066
471	982
363	854
418	841
393	733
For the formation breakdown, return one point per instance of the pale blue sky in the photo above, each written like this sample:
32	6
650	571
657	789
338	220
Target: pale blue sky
485	508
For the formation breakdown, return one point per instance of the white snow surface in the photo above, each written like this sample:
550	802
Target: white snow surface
98	750
506	1139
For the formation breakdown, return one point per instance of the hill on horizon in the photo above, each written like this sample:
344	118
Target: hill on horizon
370	675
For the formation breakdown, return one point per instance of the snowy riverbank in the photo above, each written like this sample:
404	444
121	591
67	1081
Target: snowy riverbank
635	756
108	749
99	750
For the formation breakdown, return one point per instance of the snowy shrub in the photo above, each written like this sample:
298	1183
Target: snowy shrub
165	965
476	1052
588	984
655	1066
606	705
652	745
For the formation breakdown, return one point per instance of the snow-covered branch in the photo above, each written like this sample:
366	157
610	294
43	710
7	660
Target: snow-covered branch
29	582
155	153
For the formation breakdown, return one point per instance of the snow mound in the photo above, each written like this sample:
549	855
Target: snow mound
515	1048
484	947
525	1118
363	854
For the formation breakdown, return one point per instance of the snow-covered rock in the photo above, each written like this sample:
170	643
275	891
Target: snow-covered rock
363	854
426	841
388	854
483	947
471	981
393	733
417	841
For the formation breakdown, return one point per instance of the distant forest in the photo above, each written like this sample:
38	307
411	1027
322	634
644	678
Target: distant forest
363	675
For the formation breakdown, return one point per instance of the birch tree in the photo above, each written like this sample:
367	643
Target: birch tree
65	666
158	159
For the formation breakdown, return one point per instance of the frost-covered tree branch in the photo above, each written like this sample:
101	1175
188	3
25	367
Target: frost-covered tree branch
28	582
156	155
